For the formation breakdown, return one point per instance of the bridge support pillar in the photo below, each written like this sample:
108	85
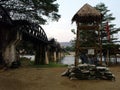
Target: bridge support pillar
37	55
46	58
41	55
54	56
59	56
62	55
10	53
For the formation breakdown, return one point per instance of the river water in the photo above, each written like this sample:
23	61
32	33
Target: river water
68	59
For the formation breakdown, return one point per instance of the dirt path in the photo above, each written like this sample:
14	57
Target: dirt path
51	79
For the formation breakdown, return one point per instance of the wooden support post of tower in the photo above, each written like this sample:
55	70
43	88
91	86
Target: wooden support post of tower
100	46
77	46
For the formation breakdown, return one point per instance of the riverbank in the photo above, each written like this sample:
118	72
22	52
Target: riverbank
28	78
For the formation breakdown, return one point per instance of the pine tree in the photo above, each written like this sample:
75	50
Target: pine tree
108	31
107	18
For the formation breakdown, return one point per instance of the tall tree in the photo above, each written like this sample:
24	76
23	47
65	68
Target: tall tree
33	10
107	26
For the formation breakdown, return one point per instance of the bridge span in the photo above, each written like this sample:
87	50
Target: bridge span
12	32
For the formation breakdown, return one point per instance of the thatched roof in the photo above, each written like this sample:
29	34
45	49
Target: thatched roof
87	14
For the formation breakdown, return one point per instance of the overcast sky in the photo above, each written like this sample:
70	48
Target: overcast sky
61	30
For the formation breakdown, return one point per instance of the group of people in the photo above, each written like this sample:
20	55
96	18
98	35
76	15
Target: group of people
89	59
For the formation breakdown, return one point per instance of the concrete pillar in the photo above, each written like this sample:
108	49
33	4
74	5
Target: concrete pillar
46	58
12	52
6	55
59	56
37	55
54	56
41	55
9	54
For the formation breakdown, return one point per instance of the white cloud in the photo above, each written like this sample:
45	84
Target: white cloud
62	30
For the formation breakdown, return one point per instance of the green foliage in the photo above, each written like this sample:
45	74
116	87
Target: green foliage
73	31
88	38
105	12
69	48
107	17
28	47
25	61
50	65
33	10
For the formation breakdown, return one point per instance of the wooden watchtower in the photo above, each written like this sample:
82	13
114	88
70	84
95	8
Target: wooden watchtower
87	18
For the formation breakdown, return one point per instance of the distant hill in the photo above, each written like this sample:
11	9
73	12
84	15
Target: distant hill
65	44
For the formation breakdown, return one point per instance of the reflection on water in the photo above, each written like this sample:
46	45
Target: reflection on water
69	59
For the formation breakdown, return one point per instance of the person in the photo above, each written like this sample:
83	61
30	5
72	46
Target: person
84	58
96	61
91	59
105	56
